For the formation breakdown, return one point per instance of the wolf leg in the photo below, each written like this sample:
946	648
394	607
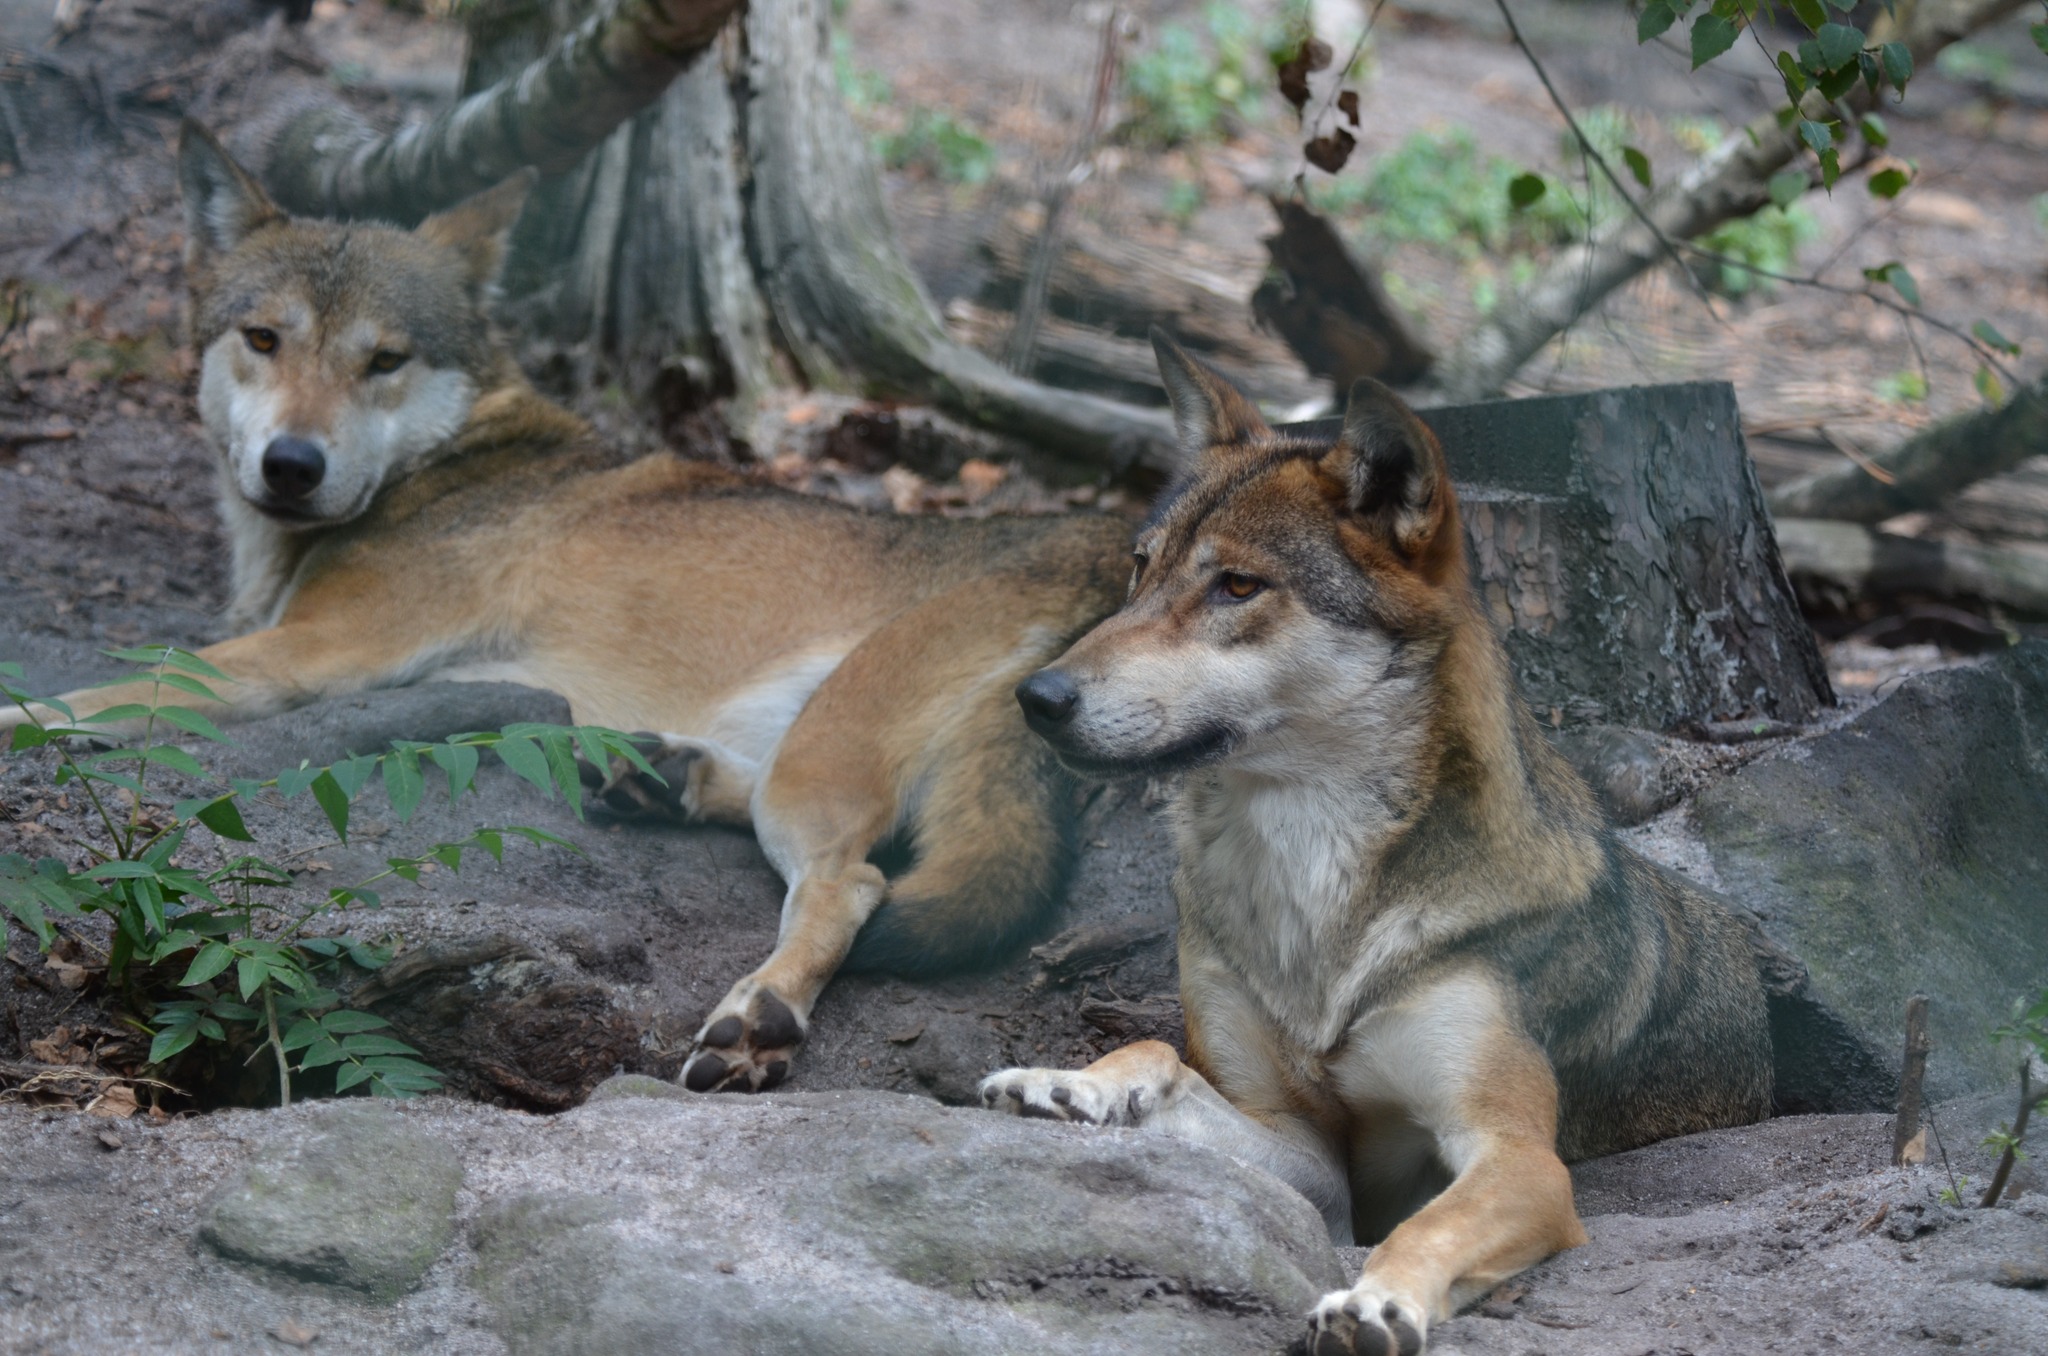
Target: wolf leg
916	727
1146	1086
1461	1070
695	781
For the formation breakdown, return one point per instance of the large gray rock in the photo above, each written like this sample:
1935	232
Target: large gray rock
355	1199
1906	851
873	1223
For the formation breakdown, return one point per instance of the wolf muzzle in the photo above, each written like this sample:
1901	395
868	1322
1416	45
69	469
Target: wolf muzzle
1049	699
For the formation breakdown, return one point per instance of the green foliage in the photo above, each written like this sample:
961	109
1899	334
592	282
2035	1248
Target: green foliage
1905	387
1436	188
1768	240
940	145
1184	198
221	955
1191	86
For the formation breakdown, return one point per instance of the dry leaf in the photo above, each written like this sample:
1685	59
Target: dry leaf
1313	55
117	1103
1347	104
294	1335
905	1037
1329	153
109	1140
980	478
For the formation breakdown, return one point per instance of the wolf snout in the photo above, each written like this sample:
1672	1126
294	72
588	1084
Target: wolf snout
1048	698
293	467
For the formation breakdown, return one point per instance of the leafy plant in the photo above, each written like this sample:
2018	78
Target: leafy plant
235	936
941	145
1194	86
1769	241
2029	1031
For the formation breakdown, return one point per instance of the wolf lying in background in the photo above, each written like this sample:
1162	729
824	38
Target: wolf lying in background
1419	974
402	506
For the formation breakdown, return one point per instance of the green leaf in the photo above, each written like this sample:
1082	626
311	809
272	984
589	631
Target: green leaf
1655	18
492	842
1989	386
211	960
190	721
120	870
1889	183
369	957
293	781
351	774
533	835
151	655
448	855
174	758
403	783
171	1041
1787	187
192	663
561	756
1874	131
333	800
1795	79
1815	134
1839	44
524	757
1988	334
349	1077
301	1034
1638	165
459	762
2040	36
225	819
370	1044
1810	13
229	1010
1898	64
27	737
348	1020
1896	274
211	1029
123	711
624	747
1834	84
319	1053
250	972
1711	36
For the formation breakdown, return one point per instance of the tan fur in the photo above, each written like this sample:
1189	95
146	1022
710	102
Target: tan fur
1418	973
828	676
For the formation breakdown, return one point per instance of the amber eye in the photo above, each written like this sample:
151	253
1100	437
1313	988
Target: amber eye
387	360
260	339
1238	587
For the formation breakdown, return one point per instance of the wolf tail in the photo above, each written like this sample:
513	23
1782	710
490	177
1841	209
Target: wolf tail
994	836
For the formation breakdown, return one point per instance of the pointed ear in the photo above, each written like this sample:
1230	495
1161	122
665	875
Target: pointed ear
1391	467
223	201
479	228
1207	409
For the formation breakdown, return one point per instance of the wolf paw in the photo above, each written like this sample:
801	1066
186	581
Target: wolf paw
1070	1095
747	1045
1366	1320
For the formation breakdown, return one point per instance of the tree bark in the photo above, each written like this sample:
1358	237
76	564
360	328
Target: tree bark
1928	467
1732	180
729	238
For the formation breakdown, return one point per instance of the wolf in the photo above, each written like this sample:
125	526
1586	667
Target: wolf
1419	973
402	506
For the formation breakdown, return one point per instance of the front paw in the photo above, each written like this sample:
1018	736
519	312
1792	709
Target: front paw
628	791
1367	1320
747	1044
1069	1095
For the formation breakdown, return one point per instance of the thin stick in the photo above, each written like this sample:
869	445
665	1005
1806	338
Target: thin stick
1912	1077
2019	1132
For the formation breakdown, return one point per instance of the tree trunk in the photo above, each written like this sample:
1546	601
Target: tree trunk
728	238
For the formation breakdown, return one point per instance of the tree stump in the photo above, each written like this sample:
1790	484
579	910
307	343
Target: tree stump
1620	541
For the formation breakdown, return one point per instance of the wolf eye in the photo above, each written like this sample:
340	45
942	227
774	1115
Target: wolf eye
260	339
1238	587
387	360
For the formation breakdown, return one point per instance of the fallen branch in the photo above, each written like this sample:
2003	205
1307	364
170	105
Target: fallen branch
1730	181
1928	467
1859	561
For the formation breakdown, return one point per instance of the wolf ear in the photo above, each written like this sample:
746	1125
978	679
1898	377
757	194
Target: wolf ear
223	201
1207	409
1391	466
479	228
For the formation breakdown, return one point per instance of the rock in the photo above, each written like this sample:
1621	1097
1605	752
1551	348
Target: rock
1906	851
357	1200
876	1223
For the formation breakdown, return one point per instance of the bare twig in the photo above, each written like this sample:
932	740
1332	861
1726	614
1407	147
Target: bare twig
1073	173
1912	1079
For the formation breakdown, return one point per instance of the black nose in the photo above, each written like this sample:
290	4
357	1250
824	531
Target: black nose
1048	698
292	467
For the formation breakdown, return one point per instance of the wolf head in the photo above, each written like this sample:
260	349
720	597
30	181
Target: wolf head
1286	593
333	355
